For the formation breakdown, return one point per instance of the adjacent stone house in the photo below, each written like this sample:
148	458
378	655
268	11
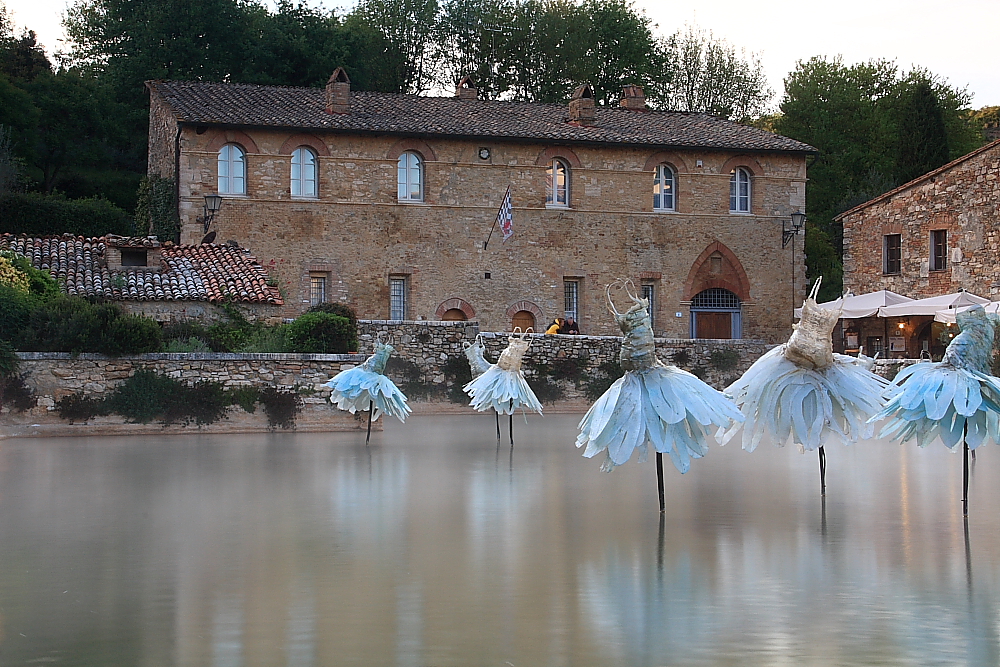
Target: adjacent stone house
384	202
164	281
937	234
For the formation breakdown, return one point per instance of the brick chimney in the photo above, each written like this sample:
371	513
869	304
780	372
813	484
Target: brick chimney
581	106
338	92
466	89
633	97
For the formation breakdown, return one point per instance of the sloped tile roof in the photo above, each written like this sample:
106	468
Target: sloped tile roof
206	272
384	113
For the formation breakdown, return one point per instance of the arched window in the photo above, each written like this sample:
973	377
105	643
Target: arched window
303	172
739	191
716	313
454	315
410	177
232	170
557	184
663	189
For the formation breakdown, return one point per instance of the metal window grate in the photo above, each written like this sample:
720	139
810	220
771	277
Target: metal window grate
397	298
571	299
317	290
649	294
715	298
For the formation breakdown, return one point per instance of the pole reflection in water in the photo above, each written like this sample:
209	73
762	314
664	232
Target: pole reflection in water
430	548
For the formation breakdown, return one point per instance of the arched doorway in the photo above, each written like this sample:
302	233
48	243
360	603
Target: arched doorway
523	319
454	315
716	313
933	338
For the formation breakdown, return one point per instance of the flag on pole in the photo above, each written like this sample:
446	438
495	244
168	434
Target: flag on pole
505	215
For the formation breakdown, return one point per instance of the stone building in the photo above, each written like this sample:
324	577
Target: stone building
384	202
937	234
167	282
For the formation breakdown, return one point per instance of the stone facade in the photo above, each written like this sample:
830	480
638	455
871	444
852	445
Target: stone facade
357	236
961	198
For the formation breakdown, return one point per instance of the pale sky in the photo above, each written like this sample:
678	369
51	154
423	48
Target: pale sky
956	39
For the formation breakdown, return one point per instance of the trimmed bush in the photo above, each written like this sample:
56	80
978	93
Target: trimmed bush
322	333
337	309
69	324
38	214
131	334
281	407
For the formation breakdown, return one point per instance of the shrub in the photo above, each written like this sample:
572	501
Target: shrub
79	407
408	377
281	407
322	333
265	339
681	358
131	334
724	360
569	368
204	402
601	379
187	345
16	394
457	374
143	397
341	309
69	324
38	214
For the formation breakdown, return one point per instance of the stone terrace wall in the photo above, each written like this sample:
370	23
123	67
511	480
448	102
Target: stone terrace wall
55	375
429	345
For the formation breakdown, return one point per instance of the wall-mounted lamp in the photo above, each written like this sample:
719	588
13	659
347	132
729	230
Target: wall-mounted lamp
902	325
798	221
213	203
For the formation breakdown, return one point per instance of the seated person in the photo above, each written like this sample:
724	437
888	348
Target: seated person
570	327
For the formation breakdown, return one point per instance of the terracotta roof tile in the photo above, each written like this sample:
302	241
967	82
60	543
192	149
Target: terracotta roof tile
205	272
305	108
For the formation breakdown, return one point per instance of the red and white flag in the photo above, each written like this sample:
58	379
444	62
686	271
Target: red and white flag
505	215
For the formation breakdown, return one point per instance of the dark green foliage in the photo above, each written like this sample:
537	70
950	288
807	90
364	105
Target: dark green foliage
570	369
407	376
9	363
724	360
144	397
699	372
203	402
79	407
15	311
341	309
599	380
156	209
16	394
69	324
322	333
923	145
281	407
38	214
131	334
681	358
542	383
245	397
457	374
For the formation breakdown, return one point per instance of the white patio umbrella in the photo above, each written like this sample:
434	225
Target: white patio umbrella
948	316
931	305
862	305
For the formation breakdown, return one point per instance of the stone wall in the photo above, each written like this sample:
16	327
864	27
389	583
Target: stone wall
963	199
55	375
430	345
356	235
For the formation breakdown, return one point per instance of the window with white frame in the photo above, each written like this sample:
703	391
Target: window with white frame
232	170
939	250
663	188
892	253
557	184
397	298
739	190
303	172
317	288
649	294
571	299
410	177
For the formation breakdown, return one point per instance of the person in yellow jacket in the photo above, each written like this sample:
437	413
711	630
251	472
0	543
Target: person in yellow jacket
555	326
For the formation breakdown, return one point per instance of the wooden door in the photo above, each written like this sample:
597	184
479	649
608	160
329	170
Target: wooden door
713	325
524	320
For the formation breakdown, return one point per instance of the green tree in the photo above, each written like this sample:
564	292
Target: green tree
395	37
713	77
923	141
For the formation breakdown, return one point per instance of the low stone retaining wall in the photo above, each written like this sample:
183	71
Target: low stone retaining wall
55	375
567	372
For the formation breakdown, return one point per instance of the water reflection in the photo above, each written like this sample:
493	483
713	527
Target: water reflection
433	547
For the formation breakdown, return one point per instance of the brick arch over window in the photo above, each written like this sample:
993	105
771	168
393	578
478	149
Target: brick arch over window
665	157
310	140
729	273
416	145
744	161
545	157
224	137
455	303
528	306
